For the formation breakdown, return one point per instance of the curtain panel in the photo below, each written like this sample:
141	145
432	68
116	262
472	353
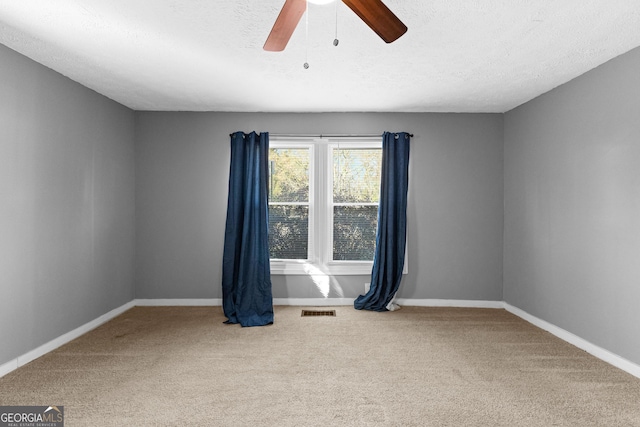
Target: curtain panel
391	236
246	273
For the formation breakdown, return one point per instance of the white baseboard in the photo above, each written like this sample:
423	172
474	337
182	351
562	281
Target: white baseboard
409	302
313	302
321	302
594	350
324	302
14	364
218	302
178	302
10	366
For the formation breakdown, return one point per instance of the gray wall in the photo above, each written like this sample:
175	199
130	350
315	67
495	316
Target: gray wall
66	205
572	206
455	201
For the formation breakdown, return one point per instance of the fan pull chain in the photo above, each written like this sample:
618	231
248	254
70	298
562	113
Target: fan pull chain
335	40
306	38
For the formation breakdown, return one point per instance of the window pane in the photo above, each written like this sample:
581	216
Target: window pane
354	232
356	175
288	231
289	175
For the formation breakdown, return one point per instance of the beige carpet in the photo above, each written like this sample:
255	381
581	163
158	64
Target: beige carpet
180	366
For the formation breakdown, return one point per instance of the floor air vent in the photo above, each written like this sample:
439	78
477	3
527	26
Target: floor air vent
314	313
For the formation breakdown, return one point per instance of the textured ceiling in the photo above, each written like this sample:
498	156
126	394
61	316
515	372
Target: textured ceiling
206	55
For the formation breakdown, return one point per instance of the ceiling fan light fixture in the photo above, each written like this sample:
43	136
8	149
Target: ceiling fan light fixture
321	2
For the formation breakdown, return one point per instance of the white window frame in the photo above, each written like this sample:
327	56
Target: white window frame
320	252
299	266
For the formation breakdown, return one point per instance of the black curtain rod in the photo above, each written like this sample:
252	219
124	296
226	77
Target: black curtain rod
322	135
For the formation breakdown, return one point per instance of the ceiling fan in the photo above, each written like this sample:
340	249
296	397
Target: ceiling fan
373	12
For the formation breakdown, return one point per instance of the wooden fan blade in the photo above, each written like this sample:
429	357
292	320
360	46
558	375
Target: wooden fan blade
285	24
379	18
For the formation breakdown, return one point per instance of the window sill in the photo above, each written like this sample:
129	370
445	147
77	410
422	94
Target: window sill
306	268
336	268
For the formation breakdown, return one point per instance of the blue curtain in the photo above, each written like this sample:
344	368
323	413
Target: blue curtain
391	236
246	274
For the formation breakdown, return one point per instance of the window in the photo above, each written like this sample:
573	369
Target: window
323	205
354	201
289	202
